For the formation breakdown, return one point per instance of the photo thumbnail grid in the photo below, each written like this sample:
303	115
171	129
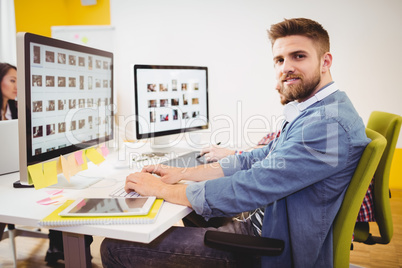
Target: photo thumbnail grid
174	102
71	96
170	98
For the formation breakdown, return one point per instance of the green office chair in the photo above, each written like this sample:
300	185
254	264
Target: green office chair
343	224
389	126
345	219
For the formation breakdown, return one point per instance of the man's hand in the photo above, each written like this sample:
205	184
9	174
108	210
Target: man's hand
215	153
170	175
147	184
144	183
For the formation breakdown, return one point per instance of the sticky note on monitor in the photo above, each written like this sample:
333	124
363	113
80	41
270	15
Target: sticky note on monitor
94	156
43	175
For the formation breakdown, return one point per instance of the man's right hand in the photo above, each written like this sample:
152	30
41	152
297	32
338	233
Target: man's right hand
168	174
215	153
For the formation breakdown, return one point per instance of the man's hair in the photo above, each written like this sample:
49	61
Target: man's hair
304	27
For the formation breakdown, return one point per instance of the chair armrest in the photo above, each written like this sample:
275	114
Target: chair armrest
251	245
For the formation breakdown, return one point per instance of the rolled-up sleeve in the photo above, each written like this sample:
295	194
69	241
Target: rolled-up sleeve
230	165
195	193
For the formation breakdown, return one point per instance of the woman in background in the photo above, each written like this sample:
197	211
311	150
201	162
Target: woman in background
8	88
8	109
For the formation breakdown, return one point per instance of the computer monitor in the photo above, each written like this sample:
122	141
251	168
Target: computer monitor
65	98
170	100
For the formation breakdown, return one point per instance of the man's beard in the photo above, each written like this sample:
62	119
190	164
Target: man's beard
301	90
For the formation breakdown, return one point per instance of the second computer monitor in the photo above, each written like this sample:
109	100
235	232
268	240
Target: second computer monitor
170	99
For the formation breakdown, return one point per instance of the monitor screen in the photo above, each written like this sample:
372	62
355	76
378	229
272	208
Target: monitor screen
170	99
65	98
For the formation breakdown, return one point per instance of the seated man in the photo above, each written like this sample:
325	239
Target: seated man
215	153
295	185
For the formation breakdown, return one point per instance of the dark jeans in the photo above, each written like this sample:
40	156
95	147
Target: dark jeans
178	247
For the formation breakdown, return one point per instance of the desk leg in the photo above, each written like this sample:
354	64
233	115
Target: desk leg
2	227
75	252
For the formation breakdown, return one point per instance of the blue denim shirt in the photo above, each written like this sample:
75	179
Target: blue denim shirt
301	182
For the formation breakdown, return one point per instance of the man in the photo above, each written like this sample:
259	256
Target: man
319	148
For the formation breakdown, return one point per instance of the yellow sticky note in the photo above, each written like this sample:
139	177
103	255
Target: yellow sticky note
30	181
72	164
50	172
94	156
37	176
65	168
59	167
99	150
84	165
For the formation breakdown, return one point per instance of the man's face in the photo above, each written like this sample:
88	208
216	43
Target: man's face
297	67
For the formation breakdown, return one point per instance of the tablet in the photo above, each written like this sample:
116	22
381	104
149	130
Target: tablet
109	207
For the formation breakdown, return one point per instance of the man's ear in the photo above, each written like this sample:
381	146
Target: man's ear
326	62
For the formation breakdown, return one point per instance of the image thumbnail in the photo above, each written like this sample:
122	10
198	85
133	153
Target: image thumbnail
163	87
164	117
38	131
72	60
49	56
61	81
37	106
36	54
50	81
151	88
81	61
152	117
36	80
61	58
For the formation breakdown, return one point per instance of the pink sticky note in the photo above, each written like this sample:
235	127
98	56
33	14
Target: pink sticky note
78	157
46	201
55	192
105	151
49	200
43	201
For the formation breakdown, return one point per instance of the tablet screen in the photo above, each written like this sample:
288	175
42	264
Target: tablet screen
109	206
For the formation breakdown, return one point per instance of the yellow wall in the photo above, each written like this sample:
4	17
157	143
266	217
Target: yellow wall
395	180
39	15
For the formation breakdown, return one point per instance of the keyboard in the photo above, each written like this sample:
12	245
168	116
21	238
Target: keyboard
187	160
120	192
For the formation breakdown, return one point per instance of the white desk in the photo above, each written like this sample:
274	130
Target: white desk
19	206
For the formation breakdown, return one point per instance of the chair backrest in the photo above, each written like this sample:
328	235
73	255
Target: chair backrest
389	126
345	220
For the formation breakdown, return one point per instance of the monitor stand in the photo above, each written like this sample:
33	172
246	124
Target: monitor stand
76	182
161	145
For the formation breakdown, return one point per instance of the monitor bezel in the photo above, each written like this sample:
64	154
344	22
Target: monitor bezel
24	98
139	135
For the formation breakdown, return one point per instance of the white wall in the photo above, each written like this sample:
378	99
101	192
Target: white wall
229	36
8	51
